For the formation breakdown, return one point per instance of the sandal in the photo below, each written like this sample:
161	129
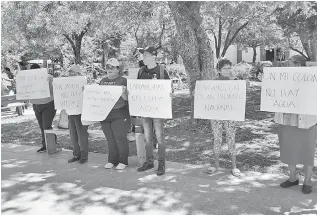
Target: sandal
236	172
211	170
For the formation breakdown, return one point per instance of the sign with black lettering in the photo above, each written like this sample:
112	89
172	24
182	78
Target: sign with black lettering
150	98
289	90
220	100
68	94
99	101
32	84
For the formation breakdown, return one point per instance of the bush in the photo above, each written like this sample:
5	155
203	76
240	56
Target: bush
242	71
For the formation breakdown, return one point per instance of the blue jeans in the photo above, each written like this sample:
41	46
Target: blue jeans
158	124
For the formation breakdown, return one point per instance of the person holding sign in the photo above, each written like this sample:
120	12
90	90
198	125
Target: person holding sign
77	131
44	110
297	136
152	71
224	68
117	123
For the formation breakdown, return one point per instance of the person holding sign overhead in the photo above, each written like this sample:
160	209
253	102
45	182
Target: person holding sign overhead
224	68
44	110
77	131
117	123
152	70
297	136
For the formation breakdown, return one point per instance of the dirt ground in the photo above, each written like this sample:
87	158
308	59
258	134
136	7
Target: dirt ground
256	138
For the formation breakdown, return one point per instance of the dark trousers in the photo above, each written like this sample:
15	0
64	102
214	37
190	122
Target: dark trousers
44	114
116	128
78	136
148	125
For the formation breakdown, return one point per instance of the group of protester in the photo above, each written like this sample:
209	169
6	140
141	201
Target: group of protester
297	141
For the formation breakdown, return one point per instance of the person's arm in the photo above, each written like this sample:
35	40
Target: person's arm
124	94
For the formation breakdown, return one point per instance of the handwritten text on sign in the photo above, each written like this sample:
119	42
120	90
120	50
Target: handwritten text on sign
150	98
99	101
220	100
68	93
32	84
289	90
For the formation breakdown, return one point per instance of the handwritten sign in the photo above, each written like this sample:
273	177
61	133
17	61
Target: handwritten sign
99	101
68	94
220	100
150	98
32	84
289	90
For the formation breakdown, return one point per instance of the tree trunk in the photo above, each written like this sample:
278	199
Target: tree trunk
254	55
313	48
194	46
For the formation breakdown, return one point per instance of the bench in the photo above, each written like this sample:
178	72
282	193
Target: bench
10	101
50	140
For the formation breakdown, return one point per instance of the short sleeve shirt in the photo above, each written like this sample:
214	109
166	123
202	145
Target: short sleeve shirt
119	81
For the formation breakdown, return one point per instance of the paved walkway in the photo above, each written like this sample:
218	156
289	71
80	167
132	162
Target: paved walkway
34	183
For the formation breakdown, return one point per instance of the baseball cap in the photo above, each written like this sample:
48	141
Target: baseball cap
113	62
149	49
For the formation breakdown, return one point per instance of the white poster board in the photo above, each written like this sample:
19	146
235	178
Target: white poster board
32	84
68	93
220	100
99	101
150	98
289	90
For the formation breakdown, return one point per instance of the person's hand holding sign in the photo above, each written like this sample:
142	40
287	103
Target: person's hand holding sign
124	93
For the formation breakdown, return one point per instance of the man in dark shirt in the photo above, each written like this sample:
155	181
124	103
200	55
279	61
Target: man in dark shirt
152	71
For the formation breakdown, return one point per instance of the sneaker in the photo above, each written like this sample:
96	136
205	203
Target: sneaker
109	166
288	183
83	160
121	166
73	159
146	165
43	149
161	169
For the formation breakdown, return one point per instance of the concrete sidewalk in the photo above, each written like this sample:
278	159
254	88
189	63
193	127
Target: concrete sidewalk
34	183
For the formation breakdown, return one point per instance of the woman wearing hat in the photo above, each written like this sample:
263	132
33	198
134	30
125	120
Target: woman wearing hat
78	132
117	123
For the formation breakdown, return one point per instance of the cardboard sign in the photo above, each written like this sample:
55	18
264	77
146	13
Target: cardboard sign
32	84
99	101
289	90
150	98
220	100
68	94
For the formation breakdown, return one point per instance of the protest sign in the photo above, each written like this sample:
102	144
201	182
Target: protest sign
99	101
32	84
289	90
68	93
220	100
150	98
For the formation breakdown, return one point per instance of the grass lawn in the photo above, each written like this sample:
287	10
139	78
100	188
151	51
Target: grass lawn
256	138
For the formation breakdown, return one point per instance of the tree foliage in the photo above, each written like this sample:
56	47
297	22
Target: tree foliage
299	19
224	21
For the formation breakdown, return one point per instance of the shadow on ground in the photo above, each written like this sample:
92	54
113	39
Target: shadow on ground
44	184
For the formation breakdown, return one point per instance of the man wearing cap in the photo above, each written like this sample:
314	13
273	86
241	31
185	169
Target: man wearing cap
152	70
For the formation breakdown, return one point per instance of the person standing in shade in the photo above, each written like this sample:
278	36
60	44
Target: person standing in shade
44	109
297	136
117	123
152	70
225	72
78	132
